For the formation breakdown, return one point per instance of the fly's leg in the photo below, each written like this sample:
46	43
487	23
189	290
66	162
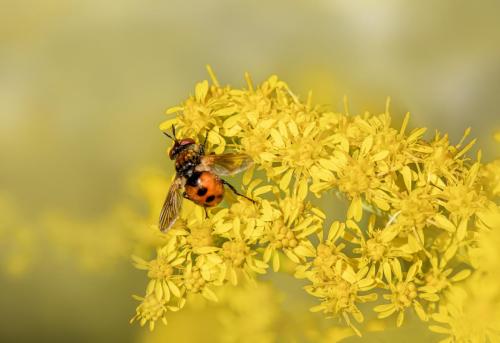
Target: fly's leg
236	192
202	150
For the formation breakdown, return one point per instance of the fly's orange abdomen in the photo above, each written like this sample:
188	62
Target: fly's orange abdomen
205	189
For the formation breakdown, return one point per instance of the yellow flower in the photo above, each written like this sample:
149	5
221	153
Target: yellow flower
470	311
429	205
404	294
470	314
290	222
377	249
207	270
328	252
342	292
461	200
414	208
150	310
438	278
442	159
490	178
165	271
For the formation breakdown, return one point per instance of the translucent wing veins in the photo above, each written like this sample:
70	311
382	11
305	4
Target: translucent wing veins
172	205
226	164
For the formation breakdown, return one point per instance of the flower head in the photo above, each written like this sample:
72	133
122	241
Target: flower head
417	211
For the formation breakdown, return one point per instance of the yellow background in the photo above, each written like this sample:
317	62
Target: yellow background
84	85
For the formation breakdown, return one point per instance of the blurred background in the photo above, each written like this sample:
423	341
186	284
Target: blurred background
83	171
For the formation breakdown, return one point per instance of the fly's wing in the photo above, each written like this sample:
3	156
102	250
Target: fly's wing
172	205
226	164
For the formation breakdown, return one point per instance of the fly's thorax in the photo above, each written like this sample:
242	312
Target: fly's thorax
188	159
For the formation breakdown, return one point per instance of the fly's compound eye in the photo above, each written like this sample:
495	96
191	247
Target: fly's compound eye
179	146
186	141
174	150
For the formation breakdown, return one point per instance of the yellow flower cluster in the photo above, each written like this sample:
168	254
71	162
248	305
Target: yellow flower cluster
106	240
470	312
94	244
417	210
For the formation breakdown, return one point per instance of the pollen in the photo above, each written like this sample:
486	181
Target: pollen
404	294
375	250
194	281
235	252
160	270
283	237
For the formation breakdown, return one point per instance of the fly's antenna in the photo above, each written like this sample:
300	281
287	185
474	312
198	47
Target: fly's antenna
173	134
166	134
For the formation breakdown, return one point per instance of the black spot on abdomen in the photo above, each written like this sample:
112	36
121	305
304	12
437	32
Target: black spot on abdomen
202	191
210	198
